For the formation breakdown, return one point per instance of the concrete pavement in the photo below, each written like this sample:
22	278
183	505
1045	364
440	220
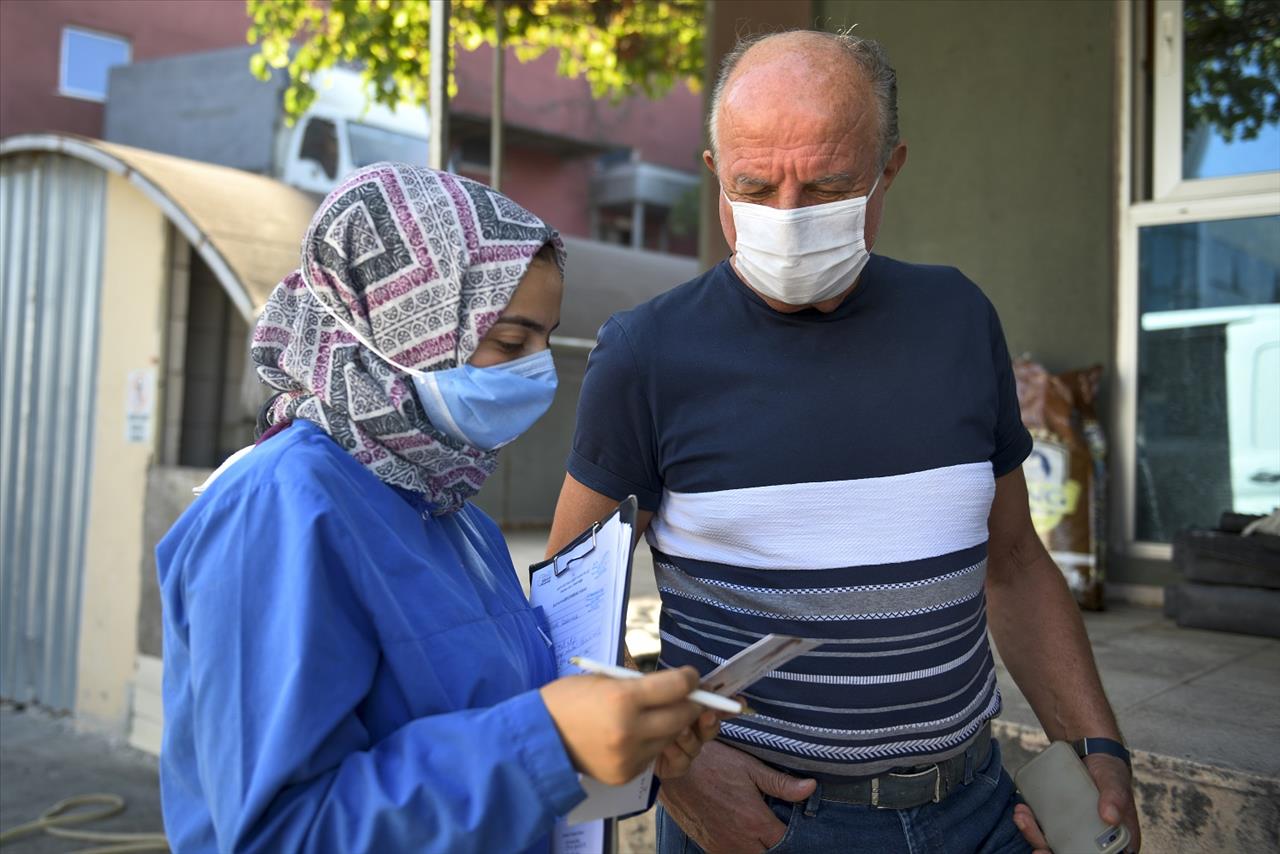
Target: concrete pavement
44	759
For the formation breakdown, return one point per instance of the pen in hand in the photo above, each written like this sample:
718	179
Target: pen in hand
703	698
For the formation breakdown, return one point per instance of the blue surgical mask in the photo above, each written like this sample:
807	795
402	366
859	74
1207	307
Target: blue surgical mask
487	408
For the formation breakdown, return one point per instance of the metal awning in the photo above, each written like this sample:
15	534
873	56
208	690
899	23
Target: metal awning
602	278
246	227
249	228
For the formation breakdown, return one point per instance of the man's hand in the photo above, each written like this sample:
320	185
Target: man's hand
720	802
1115	803
679	755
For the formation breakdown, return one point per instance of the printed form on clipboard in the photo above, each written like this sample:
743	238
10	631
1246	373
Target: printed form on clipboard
583	591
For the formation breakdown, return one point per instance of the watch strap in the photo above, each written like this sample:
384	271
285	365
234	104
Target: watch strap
1109	746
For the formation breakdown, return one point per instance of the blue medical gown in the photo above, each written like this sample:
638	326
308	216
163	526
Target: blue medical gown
341	674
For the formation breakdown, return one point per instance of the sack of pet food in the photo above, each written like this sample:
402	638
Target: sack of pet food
1066	472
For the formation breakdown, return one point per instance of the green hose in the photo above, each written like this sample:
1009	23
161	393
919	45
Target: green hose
56	820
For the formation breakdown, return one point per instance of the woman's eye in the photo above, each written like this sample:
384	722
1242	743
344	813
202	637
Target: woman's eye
510	346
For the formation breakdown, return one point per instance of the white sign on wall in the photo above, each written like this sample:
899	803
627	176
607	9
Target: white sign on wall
139	405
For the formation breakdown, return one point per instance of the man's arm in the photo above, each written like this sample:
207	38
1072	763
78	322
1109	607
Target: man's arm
579	506
1038	629
718	802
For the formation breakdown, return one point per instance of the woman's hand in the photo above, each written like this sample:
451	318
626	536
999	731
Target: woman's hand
613	728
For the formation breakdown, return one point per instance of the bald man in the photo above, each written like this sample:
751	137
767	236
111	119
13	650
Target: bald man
827	443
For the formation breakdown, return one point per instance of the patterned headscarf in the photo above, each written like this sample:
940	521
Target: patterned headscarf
420	263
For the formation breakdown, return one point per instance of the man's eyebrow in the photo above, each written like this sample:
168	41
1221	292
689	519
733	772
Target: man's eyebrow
751	181
833	178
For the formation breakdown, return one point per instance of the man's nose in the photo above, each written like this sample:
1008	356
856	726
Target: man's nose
789	197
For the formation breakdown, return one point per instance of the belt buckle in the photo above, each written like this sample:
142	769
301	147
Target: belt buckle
932	769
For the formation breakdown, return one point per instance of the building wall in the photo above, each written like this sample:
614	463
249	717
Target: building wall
727	20
131	320
555	189
666	131
1008	111
31	40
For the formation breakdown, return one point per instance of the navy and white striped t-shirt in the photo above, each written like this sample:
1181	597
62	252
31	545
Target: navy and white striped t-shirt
822	475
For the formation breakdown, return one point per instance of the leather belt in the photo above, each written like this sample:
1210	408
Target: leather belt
912	787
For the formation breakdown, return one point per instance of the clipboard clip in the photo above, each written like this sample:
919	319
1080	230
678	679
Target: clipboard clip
560	567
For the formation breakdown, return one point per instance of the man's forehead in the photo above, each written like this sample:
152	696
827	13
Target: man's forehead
817	156
823	124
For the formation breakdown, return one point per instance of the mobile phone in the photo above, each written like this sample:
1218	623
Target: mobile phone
1059	790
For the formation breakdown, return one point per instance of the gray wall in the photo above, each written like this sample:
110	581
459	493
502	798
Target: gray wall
205	106
1008	113
168	497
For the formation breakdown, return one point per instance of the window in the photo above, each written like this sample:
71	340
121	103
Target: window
320	145
1215	98
474	154
370	144
1230	102
86	58
1208	436
1198	356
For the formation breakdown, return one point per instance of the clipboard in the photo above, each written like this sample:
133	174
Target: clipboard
585	544
593	836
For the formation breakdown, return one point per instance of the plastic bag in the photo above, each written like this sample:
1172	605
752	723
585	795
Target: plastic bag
1066	472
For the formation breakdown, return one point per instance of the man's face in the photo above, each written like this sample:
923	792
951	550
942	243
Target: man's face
791	138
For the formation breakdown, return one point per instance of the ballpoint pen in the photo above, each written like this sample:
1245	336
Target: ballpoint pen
704	698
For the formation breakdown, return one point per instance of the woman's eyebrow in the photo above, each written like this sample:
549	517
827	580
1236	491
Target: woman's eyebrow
526	322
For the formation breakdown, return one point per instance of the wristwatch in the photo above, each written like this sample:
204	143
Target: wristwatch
1109	746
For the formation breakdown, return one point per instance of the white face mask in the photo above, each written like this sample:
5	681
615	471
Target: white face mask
803	255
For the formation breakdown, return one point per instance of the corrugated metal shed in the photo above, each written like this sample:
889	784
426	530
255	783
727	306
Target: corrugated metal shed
246	227
52	209
48	347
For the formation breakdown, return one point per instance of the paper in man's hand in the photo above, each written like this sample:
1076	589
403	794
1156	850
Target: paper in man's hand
755	662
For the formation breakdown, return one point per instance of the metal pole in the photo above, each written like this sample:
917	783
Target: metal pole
499	80
439	82
637	225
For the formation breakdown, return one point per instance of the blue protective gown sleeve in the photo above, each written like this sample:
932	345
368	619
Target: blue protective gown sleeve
281	652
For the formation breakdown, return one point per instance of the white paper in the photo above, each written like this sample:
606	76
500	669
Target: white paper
139	405
585	607
582	839
755	662
583	603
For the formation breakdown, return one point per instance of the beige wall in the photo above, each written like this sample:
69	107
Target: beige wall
1008	111
130	337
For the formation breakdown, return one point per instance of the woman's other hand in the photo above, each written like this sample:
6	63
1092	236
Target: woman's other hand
613	728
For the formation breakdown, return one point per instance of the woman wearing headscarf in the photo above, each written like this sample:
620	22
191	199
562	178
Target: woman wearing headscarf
350	662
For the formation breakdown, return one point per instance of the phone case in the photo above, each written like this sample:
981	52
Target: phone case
1059	790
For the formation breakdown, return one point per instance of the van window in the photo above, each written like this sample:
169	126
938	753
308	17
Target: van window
320	144
371	144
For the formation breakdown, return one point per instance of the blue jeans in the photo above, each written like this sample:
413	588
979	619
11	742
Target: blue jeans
977	818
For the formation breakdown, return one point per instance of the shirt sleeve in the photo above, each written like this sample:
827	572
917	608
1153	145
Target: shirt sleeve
1012	440
615	442
280	655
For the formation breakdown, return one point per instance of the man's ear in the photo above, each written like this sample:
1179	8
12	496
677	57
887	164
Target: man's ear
897	160
709	159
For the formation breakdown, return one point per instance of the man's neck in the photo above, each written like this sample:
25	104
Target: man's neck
826	306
